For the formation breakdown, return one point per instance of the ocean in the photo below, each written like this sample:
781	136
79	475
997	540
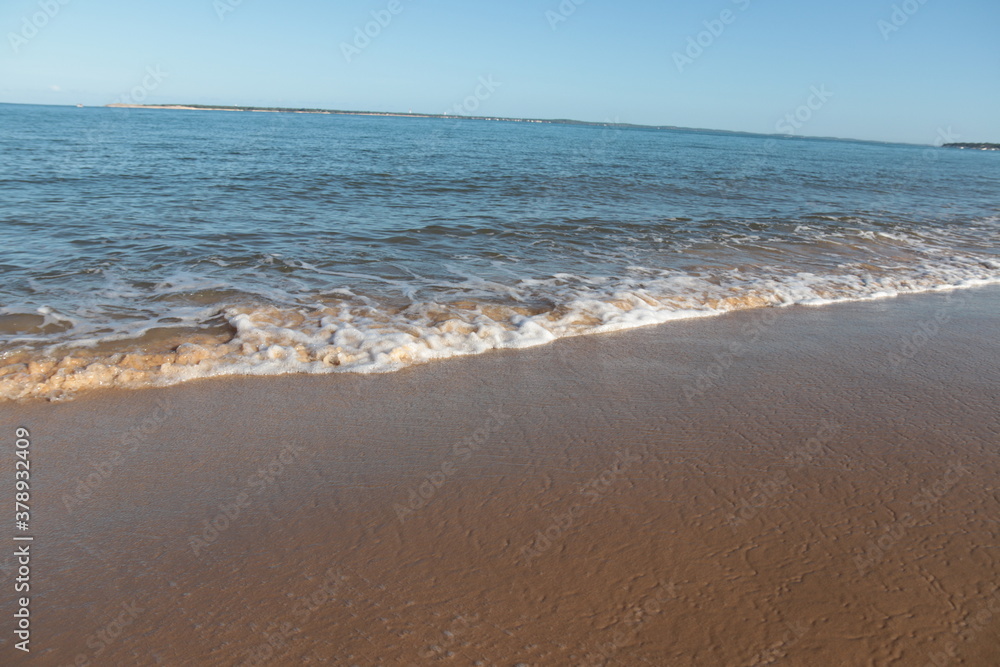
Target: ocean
150	247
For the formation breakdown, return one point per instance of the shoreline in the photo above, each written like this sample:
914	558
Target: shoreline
392	114
543	121
163	358
808	484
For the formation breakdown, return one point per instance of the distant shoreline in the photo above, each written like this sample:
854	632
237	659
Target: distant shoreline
540	121
975	147
399	114
504	119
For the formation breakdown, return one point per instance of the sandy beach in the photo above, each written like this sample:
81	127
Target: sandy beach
798	486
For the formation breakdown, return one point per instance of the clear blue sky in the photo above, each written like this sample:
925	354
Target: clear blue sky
607	61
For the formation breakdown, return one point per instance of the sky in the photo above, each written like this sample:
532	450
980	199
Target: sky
914	71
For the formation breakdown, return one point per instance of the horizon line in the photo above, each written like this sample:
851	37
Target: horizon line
506	119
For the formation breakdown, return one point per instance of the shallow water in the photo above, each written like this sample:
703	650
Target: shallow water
154	246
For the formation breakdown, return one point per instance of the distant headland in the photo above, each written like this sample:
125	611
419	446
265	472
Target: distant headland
975	147
548	121
400	114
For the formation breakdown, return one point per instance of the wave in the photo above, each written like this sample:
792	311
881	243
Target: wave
360	333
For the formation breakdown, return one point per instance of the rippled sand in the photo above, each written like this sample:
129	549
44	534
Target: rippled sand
778	486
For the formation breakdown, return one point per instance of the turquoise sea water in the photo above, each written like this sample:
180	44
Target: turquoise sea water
154	246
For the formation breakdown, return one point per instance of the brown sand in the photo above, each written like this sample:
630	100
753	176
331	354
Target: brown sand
826	494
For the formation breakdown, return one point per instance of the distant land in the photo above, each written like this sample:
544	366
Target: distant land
976	147
205	107
339	112
550	121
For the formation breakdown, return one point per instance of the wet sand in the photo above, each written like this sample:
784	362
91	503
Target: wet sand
803	486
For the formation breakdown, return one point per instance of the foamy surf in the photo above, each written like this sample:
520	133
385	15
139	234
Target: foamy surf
359	336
